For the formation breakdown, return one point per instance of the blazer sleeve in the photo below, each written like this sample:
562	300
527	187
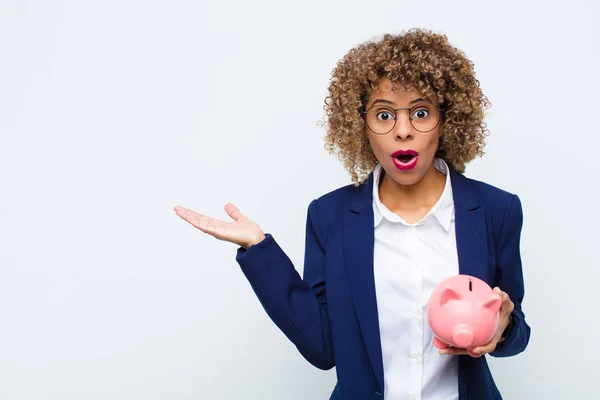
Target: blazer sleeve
297	306
509	278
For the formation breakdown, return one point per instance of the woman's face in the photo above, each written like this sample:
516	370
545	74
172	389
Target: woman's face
406	152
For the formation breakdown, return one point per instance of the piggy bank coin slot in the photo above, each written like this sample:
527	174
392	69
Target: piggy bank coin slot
470	285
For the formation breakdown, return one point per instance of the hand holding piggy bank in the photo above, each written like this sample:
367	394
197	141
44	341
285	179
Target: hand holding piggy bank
463	312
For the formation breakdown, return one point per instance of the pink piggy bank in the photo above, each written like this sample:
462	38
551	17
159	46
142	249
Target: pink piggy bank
463	311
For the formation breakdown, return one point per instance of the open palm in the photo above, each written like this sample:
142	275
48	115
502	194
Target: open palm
242	231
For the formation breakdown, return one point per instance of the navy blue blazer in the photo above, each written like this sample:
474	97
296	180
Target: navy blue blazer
331	313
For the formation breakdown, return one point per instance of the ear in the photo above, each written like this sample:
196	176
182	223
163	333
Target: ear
493	303
449	294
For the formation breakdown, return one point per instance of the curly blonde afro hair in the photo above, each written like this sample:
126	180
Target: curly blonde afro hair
417	59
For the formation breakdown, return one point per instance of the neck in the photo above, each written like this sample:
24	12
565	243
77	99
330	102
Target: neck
420	196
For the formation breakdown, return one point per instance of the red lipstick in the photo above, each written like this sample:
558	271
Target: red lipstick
405	159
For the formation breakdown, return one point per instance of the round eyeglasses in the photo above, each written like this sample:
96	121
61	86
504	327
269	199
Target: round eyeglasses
381	119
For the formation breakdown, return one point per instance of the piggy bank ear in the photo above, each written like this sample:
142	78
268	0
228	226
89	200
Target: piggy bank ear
493	304
449	294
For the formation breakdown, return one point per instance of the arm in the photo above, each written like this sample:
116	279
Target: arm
509	278
298	307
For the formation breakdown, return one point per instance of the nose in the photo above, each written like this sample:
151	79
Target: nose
403	128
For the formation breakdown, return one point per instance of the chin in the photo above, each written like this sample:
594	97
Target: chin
408	181
405	178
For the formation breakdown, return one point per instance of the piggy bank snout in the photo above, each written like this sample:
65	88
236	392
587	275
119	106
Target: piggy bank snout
463	311
462	336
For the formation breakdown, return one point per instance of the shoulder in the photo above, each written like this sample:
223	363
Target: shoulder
325	211
338	197
490	196
504	208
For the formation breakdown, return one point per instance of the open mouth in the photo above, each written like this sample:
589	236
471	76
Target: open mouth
405	158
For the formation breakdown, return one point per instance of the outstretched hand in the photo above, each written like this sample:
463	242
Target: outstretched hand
242	231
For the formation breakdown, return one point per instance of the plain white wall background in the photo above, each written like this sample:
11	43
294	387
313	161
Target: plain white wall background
112	112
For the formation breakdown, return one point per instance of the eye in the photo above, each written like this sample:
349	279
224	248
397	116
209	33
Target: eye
384	116
420	113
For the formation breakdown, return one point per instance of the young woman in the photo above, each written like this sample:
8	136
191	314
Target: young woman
405	114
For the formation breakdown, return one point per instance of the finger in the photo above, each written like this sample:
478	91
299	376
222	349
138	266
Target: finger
453	350
507	304
497	336
183	212
499	292
488	348
503	295
194	218
508	307
233	211
204	223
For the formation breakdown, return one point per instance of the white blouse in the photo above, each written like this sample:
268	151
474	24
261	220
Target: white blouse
409	261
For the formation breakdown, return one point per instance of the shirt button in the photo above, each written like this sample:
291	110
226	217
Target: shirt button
416	355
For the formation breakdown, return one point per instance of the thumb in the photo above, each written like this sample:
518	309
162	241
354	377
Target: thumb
233	212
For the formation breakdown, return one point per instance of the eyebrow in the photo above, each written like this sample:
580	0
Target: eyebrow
392	103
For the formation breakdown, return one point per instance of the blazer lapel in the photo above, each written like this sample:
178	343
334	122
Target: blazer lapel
359	240
471	245
470	225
